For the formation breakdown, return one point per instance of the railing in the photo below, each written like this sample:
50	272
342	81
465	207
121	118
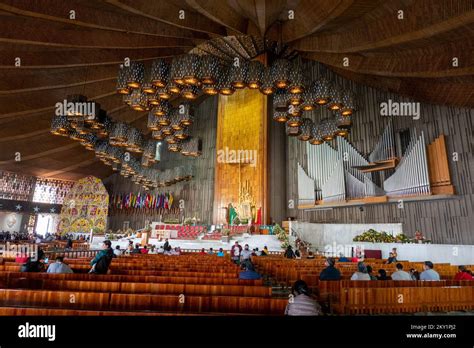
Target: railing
71	254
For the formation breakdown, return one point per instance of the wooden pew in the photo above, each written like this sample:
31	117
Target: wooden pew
133	302
140	288
133	279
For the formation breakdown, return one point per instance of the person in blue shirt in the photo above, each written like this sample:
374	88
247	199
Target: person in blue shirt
220	253
342	258
249	271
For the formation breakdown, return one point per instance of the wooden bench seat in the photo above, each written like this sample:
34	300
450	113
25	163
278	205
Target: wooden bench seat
404	300
199	304
139	288
22	311
134	279
133	302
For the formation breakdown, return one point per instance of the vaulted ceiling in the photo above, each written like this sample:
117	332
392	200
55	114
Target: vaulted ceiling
60	56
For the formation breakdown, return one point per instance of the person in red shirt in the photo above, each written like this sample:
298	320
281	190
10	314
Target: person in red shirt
144	250
463	274
203	252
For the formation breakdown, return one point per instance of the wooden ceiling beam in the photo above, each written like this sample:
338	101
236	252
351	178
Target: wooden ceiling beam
58	35
94	17
168	12
224	14
49	59
435	91
389	31
422	66
311	16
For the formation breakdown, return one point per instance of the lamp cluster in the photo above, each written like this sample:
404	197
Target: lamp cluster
114	143
289	106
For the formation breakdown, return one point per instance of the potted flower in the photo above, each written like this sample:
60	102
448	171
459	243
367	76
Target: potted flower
225	235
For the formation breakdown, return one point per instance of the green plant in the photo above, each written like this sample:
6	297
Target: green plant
225	232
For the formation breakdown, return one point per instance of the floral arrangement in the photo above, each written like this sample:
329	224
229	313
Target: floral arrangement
225	232
373	236
281	235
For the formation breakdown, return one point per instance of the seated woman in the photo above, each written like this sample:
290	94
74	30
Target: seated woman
361	273
383	275
463	274
391	258
302	303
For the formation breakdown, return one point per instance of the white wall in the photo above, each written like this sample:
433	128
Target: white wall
321	235
339	238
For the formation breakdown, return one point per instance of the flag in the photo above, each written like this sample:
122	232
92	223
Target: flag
259	216
166	206
232	215
171	200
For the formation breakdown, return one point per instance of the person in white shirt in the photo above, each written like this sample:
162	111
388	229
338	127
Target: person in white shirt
161	250
400	274
59	266
429	273
361	273
245	254
117	251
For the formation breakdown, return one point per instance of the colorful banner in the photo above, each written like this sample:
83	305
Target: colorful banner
85	207
142	201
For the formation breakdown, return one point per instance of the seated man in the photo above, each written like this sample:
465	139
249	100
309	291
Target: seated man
429	273
400	274
136	250
59	266
248	271
101	262
330	272
221	252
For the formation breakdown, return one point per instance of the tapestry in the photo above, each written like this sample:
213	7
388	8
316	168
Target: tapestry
85	207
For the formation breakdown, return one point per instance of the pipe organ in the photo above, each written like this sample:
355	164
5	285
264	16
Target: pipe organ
411	175
342	174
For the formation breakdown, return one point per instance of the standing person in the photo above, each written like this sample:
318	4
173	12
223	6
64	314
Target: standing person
400	274
166	246
463	274
245	254
302	303
330	272
361	273
289	254
235	252
429	273
101	262
59	266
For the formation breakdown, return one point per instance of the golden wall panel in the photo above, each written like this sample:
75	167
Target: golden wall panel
242	139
